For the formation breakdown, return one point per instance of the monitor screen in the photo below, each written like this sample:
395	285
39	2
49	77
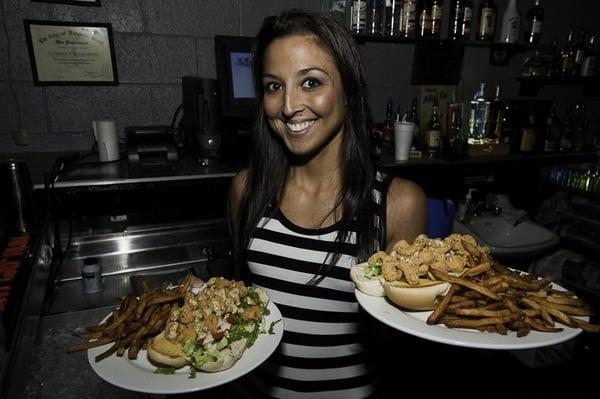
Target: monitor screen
233	55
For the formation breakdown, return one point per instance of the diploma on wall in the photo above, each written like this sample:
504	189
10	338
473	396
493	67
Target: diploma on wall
63	53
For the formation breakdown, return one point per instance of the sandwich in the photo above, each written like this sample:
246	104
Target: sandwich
213	327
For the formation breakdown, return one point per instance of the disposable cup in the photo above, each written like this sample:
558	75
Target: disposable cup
403	135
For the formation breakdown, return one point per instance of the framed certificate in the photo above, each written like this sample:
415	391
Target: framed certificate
94	3
71	53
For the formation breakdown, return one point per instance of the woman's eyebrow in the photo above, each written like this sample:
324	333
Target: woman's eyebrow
306	71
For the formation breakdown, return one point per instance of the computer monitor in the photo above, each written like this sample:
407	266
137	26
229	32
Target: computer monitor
233	55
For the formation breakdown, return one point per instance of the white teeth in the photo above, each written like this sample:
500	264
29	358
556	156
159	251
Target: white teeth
297	127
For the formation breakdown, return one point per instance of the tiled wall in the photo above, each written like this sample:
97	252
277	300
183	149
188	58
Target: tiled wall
158	41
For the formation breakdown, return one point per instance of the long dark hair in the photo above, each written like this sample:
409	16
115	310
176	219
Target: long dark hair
269	164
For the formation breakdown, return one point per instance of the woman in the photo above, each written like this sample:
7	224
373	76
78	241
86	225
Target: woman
311	204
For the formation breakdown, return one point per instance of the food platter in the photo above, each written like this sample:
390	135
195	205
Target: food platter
138	375
413	323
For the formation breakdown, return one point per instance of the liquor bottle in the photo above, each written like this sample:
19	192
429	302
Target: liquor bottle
358	16
337	9
494	125
579	124
566	138
461	15
580	50
590	61
409	18
511	22
528	135
434	132
554	69
506	126
488	12
436	17
455	145
478	116
392	16
535	21
552	132
467	20
413	116
424	20
388	124
567	57
374	20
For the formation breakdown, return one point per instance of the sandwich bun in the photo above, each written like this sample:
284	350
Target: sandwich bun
227	357
166	353
368	285
421	297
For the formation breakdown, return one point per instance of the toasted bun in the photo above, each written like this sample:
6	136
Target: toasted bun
227	357
370	286
164	352
421	297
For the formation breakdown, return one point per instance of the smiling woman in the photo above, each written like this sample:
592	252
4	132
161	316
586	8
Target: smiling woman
311	205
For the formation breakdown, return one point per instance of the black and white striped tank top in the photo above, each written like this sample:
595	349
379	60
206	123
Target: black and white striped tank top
321	354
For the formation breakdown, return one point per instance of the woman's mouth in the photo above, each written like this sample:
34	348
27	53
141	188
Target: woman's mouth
297	128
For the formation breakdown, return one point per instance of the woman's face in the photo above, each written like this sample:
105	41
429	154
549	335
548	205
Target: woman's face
303	94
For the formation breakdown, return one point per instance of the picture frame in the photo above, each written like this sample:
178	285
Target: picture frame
90	3
71	53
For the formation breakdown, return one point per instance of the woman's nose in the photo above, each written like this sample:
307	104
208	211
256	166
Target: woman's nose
292	103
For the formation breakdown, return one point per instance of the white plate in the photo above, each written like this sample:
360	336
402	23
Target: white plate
138	375
414	323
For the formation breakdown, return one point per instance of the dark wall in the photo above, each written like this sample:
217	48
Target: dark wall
157	42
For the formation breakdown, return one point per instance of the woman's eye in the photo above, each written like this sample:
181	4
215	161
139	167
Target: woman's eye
272	87
311	83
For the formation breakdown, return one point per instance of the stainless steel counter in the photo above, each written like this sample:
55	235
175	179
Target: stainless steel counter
39	366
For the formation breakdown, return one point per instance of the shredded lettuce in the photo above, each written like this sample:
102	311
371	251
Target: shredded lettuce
374	270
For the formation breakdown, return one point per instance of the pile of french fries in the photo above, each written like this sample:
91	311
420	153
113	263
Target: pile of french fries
491	298
134	322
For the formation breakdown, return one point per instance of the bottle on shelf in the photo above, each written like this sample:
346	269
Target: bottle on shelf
554	60
388	124
424	20
358	16
434	132
590	61
461	16
506	127
409	18
534	24
580	50
528	135
392	17
413	116
337	9
567	57
455	143
551	132
478	116
374	17
488	12
579	124
494	124
511	22
436	17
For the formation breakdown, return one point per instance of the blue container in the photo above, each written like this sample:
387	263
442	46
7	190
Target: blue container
440	217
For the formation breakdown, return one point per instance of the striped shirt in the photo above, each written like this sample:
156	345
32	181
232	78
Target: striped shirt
321	353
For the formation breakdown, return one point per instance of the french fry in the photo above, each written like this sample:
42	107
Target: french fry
466	283
442	305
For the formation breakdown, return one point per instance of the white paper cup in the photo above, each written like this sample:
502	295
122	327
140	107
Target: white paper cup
403	135
105	132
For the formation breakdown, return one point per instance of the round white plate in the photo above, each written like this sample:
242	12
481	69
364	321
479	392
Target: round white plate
414	323
138	375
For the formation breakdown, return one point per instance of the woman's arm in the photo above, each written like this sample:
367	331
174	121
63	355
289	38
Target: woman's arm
406	212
